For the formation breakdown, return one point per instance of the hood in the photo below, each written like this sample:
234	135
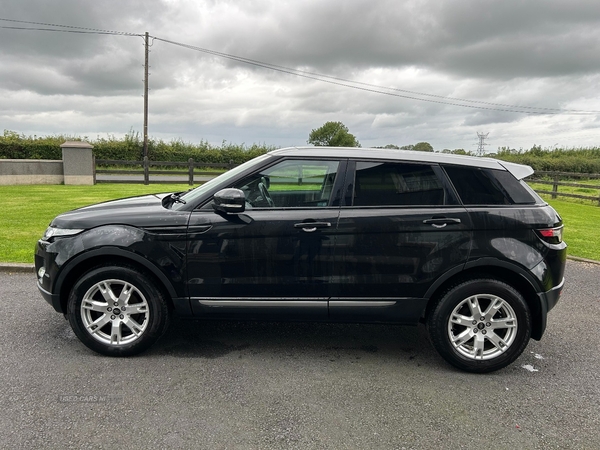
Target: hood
144	211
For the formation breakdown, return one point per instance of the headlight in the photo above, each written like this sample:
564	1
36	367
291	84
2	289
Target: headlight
52	232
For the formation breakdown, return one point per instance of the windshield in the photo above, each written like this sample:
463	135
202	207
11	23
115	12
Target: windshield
196	193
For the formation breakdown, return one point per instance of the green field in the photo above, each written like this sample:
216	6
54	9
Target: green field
580	222
592	191
27	211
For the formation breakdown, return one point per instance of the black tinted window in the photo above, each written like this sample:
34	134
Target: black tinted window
396	184
487	187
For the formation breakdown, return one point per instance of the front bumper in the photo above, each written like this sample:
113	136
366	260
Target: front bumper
53	299
46	260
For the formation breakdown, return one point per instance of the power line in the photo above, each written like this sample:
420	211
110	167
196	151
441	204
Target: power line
263	64
357	85
346	83
84	29
371	88
467	100
68	31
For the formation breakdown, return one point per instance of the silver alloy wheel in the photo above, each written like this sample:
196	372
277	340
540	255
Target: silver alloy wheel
482	327
114	312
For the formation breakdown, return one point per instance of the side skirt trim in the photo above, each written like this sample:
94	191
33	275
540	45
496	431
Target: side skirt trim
238	302
272	303
360	303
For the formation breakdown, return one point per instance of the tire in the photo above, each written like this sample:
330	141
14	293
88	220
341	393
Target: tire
480	325
117	311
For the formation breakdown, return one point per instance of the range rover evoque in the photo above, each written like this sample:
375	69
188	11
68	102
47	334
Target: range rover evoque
460	244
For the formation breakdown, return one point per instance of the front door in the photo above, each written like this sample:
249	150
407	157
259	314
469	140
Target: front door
276	256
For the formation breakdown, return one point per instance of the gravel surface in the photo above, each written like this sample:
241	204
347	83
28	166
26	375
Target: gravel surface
273	385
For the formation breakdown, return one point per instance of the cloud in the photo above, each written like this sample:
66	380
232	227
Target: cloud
540	53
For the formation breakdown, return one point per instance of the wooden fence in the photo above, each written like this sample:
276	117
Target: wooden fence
145	169
556	181
191	166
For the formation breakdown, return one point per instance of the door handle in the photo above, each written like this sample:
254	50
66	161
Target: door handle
441	222
309	227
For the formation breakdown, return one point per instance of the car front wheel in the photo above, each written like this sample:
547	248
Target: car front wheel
480	325
117	311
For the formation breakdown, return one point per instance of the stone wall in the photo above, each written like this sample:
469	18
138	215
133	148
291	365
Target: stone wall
76	167
31	171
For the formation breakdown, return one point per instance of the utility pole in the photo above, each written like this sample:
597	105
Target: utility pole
481	144
146	51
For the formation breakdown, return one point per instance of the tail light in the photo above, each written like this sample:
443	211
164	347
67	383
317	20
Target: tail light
551	235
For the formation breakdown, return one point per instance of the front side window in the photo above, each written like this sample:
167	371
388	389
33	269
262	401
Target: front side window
291	184
396	184
194	194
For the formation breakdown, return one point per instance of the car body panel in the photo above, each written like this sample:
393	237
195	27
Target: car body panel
508	233
260	254
390	253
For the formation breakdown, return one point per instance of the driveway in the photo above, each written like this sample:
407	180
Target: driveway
276	385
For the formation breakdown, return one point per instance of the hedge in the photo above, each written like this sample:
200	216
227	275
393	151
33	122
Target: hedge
129	148
578	160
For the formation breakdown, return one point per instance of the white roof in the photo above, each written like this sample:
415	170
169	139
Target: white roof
518	170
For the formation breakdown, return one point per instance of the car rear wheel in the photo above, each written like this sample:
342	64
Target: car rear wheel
117	311
480	325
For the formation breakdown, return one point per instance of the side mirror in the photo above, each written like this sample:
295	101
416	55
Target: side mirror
229	201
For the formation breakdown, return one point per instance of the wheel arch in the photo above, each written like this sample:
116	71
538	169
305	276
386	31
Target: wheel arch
508	273
109	256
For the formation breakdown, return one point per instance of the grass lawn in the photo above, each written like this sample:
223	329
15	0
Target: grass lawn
592	191
580	222
27	211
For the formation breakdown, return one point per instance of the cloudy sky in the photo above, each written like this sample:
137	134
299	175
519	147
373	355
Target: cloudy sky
394	71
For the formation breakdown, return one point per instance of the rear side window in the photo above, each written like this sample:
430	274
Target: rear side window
477	186
396	184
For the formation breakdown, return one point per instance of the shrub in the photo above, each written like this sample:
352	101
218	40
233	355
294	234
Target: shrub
129	148
578	160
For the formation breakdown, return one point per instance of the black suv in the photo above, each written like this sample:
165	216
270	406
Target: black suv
458	243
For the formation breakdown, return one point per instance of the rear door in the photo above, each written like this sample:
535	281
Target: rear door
400	228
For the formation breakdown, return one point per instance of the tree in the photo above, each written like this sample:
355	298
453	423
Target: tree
460	151
423	147
332	134
419	147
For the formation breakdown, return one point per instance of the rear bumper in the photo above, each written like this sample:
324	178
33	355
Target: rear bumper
548	300
552	296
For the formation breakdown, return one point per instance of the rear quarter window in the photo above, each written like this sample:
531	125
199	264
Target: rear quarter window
476	186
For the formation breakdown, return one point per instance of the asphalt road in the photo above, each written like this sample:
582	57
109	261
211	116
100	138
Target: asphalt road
306	386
